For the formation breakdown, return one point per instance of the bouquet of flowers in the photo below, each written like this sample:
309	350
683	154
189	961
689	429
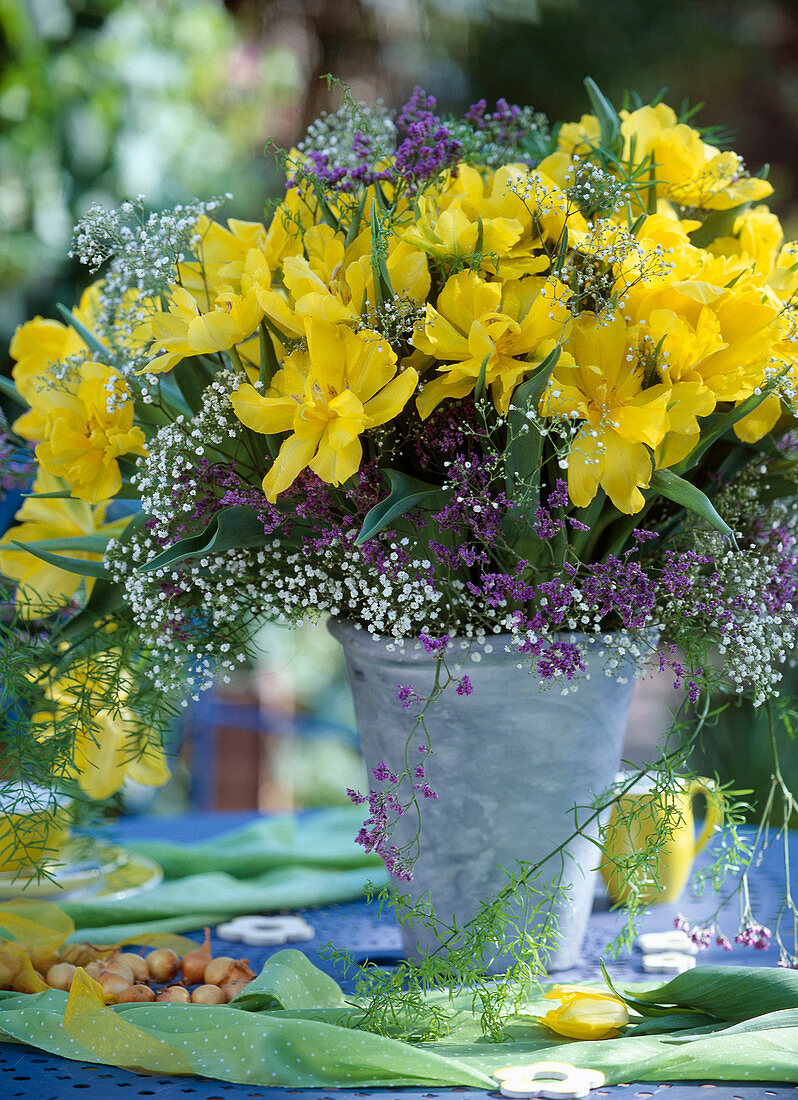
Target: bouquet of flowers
472	376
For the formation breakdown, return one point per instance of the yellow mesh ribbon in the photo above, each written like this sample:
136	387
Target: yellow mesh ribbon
112	1038
40	925
17	969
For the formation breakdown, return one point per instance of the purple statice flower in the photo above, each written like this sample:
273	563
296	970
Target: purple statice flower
383	774
790	962
700	935
405	694
475	509
435	647
368	488
544	524
428	147
754	935
724	942
355	796
505	124
445	432
464	686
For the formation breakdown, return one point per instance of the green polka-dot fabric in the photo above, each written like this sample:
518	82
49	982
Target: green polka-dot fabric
292	1027
273	863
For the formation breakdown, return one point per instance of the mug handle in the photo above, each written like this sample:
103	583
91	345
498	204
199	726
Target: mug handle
714	811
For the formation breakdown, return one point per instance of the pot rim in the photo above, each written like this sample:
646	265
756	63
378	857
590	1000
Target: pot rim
355	636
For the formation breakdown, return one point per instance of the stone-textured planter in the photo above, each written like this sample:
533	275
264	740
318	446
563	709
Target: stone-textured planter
510	763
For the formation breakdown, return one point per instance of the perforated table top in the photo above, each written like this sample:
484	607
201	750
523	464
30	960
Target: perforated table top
29	1074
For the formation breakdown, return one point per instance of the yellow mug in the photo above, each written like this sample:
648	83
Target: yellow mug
31	827
638	815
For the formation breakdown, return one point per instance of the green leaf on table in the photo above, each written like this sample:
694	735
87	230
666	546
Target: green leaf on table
406	494
730	992
229	529
675	488
289	980
61	561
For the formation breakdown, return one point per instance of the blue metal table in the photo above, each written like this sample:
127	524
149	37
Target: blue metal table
30	1074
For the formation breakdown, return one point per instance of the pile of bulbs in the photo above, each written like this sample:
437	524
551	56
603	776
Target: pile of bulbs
129	978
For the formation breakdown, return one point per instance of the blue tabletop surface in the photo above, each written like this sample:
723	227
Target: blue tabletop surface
30	1074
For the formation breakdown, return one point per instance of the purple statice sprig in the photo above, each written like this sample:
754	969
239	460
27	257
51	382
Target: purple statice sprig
751	934
385	807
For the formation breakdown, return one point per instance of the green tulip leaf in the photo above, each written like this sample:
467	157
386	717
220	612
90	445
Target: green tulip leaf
70	565
406	494
730	992
86	335
675	488
234	527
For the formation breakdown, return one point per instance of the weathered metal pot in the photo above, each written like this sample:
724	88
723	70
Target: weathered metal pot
511	761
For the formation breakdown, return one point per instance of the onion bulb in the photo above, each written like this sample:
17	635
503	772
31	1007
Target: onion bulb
224	969
174	994
9	968
141	971
79	954
113	984
60	975
216	970
136	993
163	964
193	964
208	995
233	987
115	966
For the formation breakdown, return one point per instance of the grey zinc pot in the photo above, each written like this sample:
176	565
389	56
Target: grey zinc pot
510	763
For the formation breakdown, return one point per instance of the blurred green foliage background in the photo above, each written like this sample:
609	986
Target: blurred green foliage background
107	99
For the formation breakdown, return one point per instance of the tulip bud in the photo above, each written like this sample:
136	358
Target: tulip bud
585	1013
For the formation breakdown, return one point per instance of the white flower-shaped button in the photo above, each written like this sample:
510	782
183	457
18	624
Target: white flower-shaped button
651	943
554	1080
668	962
259	931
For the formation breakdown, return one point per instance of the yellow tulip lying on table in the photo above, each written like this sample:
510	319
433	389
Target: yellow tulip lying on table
585	1013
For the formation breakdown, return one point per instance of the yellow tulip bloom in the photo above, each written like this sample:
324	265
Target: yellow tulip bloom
221	257
585	1013
688	171
513	325
83	439
183	330
37	346
327	396
335	283
111	745
622	422
42	588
